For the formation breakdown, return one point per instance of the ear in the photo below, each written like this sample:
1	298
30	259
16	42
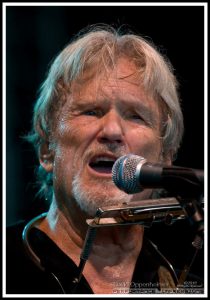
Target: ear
46	157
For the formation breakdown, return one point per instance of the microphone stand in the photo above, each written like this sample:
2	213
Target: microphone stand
196	216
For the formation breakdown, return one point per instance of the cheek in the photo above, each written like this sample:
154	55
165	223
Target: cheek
64	171
63	164
76	133
67	134
145	142
70	145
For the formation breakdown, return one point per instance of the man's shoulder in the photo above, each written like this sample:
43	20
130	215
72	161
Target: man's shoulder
17	227
22	275
14	238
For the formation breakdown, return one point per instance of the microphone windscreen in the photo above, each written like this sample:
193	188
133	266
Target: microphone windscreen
124	173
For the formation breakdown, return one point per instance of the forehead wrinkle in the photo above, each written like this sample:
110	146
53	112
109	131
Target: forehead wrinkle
100	93
132	78
115	81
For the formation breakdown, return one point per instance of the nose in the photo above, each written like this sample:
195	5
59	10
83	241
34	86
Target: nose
111	128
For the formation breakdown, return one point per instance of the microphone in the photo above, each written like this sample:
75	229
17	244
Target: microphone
133	174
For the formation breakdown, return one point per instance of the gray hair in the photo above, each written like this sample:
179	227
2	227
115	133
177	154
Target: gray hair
97	50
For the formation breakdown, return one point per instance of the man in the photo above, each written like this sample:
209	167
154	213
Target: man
106	95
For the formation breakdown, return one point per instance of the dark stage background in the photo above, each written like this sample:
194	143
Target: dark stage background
34	35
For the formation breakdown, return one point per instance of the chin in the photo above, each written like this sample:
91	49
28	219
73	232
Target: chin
103	194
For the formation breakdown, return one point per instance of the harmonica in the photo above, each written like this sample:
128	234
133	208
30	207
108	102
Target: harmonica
143	212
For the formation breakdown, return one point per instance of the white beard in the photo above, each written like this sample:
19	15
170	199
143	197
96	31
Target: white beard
90	199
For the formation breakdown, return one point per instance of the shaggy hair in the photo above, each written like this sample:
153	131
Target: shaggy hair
94	52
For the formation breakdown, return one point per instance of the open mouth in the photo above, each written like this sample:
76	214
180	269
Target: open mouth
102	164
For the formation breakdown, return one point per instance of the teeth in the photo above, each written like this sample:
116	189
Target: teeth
103	158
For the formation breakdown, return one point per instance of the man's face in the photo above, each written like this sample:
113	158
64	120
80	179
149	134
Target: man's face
103	119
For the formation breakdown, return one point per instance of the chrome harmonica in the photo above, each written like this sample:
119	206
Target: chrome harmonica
144	212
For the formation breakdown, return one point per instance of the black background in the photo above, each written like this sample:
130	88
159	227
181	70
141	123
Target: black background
34	36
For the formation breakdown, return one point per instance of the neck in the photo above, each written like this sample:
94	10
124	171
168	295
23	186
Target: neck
118	240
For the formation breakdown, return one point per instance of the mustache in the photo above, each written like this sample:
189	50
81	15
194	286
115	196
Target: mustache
108	148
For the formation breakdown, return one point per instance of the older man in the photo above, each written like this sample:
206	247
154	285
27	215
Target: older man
106	95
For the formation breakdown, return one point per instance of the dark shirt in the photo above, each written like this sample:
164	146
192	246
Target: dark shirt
57	272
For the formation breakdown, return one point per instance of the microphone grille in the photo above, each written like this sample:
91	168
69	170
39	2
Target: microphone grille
124	173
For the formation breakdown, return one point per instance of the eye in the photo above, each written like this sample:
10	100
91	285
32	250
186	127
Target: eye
90	113
136	117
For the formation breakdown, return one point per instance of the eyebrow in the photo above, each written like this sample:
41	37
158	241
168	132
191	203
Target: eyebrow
144	110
